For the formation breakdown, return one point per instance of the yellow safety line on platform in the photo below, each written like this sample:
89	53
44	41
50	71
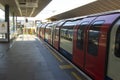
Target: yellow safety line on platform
57	57
76	76
66	66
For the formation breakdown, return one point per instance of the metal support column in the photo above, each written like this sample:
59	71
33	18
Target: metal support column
7	20
16	23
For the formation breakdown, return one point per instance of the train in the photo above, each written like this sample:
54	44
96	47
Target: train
91	42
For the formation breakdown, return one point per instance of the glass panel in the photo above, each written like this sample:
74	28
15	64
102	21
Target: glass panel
93	42
80	35
66	36
93	38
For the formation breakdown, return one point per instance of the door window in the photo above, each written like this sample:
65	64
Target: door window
80	35
93	37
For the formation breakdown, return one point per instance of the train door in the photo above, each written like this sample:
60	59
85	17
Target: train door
52	34
56	39
66	37
57	34
79	42
39	31
113	70
96	48
66	43
49	34
42	33
46	32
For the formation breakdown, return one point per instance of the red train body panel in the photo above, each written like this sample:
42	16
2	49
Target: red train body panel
98	61
79	57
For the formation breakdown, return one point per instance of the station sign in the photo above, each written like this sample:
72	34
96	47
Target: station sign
3	27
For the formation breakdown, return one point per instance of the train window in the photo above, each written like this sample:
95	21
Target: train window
66	36
117	43
93	37
80	35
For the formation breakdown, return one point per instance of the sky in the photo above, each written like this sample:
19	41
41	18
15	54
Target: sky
59	6
2	14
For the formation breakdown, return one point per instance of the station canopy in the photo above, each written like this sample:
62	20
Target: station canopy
27	8
30	8
97	6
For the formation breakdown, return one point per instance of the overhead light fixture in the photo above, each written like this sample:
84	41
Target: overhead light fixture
29	4
32	4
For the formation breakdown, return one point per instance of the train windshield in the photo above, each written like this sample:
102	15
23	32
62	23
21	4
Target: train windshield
117	43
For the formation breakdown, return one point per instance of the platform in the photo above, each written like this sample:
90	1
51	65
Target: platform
28	58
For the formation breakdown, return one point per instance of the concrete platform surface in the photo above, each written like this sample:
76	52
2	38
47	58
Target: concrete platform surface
29	59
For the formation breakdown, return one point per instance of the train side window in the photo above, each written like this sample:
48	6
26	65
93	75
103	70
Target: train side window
80	35
117	43
93	37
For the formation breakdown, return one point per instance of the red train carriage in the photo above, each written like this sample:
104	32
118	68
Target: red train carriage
42	33
92	43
